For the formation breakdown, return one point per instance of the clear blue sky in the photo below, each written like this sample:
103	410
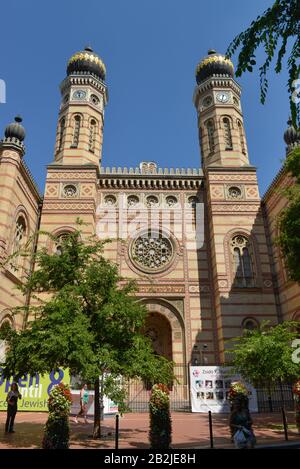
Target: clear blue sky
150	49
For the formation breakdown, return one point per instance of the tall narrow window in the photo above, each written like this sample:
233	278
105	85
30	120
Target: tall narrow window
242	140
77	123
210	133
92	135
242	261
19	235
59	242
61	133
227	134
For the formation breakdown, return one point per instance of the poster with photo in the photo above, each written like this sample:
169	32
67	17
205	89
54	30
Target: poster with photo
209	389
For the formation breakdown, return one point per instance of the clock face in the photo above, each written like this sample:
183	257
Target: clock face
79	94
222	97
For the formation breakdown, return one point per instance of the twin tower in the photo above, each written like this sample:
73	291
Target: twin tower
84	97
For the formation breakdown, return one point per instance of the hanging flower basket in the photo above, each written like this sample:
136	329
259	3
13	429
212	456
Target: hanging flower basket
296	392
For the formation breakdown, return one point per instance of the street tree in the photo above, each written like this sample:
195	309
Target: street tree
276	31
83	316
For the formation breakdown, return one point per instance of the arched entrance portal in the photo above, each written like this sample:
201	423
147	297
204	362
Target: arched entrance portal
158	329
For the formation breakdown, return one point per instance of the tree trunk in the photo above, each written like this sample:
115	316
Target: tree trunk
101	399
97	423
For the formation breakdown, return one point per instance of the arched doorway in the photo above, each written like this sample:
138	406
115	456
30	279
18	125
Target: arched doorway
158	329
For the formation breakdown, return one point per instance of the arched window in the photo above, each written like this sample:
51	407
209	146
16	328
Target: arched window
92	137
76	132
19	238
61	132
242	261
59	241
241	135
211	137
250	324
227	134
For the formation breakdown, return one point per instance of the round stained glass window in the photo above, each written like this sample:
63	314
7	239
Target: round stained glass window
152	252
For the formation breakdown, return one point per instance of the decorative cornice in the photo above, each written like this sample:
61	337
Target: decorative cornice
273	184
84	80
31	181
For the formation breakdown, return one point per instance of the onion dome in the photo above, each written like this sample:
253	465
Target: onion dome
15	130
86	62
214	65
291	135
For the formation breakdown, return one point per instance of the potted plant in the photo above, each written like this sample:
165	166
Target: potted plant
57	431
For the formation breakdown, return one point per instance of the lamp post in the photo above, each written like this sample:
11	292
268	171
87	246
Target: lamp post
203	359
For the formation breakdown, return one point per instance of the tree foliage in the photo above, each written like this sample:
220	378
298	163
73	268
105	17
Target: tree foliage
289	220
85	317
273	30
263	356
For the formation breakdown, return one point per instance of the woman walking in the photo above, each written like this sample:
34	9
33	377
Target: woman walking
12	407
84	400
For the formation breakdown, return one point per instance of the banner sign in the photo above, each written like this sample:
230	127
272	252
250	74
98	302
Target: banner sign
209	389
35	389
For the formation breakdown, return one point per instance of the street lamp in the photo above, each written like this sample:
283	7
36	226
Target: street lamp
203	359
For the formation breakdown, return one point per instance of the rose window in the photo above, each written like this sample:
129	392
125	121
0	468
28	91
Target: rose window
171	201
110	200
152	201
70	190
132	200
234	192
152	252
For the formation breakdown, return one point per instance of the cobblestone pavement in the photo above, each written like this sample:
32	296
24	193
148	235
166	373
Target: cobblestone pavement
189	431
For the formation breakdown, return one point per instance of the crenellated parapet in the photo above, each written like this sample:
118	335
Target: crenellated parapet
155	178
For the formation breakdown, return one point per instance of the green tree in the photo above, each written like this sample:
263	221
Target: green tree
263	356
289	220
277	29
85	317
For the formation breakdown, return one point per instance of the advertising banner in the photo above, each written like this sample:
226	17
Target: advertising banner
35	389
209	389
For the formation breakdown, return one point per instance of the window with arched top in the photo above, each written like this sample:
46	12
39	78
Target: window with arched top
241	136
211	135
227	133
18	240
242	260
250	324
62	126
92	136
59	242
76	131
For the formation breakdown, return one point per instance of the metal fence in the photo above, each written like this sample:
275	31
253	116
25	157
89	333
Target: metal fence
275	399
139	394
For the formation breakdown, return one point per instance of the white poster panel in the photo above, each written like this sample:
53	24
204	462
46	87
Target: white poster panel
209	389
109	406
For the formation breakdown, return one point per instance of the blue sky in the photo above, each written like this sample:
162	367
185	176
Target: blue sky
150	49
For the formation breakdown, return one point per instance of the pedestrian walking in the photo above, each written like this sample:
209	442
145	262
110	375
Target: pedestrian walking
84	400
12	406
241	426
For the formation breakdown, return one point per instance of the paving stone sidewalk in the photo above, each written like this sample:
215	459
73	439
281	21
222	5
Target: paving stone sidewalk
189	431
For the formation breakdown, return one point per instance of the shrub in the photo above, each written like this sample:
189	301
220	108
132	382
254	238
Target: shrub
57	430
160	418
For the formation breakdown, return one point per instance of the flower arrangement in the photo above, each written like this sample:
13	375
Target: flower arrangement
296	389
237	391
57	431
160	417
60	399
296	392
